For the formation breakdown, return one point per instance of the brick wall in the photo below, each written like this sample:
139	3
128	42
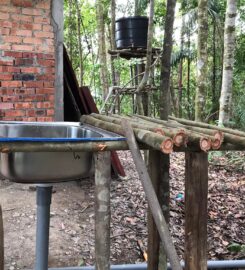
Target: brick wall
27	61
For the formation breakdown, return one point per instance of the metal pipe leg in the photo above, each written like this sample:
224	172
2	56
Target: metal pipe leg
44	195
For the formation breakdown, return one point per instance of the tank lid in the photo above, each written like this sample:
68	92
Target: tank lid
132	18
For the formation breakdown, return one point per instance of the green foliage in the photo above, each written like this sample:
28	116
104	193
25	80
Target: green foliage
234	247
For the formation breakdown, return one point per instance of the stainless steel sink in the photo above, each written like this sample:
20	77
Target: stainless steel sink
48	167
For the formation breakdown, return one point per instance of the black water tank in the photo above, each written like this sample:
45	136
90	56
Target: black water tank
131	32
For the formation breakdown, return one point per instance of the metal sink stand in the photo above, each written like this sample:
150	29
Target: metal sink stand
43	197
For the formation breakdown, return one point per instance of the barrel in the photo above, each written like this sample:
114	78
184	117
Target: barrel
131	32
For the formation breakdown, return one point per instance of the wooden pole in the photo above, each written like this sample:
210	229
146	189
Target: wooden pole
153	235
1	241
151	198
196	197
102	210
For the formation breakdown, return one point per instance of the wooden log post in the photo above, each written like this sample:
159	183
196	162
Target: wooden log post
153	235
196	196
102	210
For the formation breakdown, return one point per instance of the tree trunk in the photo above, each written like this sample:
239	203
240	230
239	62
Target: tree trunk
70	49
79	37
165	60
228	60
114	74
181	69
202	78
102	47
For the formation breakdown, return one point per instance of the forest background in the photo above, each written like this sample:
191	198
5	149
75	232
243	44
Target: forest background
194	93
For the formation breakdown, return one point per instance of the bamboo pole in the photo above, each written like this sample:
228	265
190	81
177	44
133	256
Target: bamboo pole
102	210
178	136
156	141
151	197
205	125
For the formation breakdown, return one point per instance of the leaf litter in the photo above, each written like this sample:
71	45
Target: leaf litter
72	218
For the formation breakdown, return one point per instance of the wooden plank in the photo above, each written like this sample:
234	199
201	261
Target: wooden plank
102	210
196	196
151	197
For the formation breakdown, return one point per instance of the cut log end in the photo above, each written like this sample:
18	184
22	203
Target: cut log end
167	146
180	139
159	131
216	143
219	135
205	144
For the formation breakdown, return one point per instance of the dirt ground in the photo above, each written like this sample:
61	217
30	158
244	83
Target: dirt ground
72	217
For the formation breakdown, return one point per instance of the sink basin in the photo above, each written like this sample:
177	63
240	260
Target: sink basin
48	167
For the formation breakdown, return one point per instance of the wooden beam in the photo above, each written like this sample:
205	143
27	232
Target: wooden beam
102	210
151	197
196	196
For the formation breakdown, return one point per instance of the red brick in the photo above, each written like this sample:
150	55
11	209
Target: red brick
36	26
29	55
12	99
42	34
32	11
22	48
46	77
6	92
36	112
4	16
46	63
6	77
10	9
50	112
21	18
24	33
10	69
48	84
45	56
45	91
26	26
32	98
43	5
29	119
47	28
50	97
45	119
13	39
6	24
5	2
4	31
41	20
11	84
15	113
43	105
47	70
30	70
24	91
49	41
23	62
5	47
24	105
33	84
6	106
6	62
23	3
32	40
14	54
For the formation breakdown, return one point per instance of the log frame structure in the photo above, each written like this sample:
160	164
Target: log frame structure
196	180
